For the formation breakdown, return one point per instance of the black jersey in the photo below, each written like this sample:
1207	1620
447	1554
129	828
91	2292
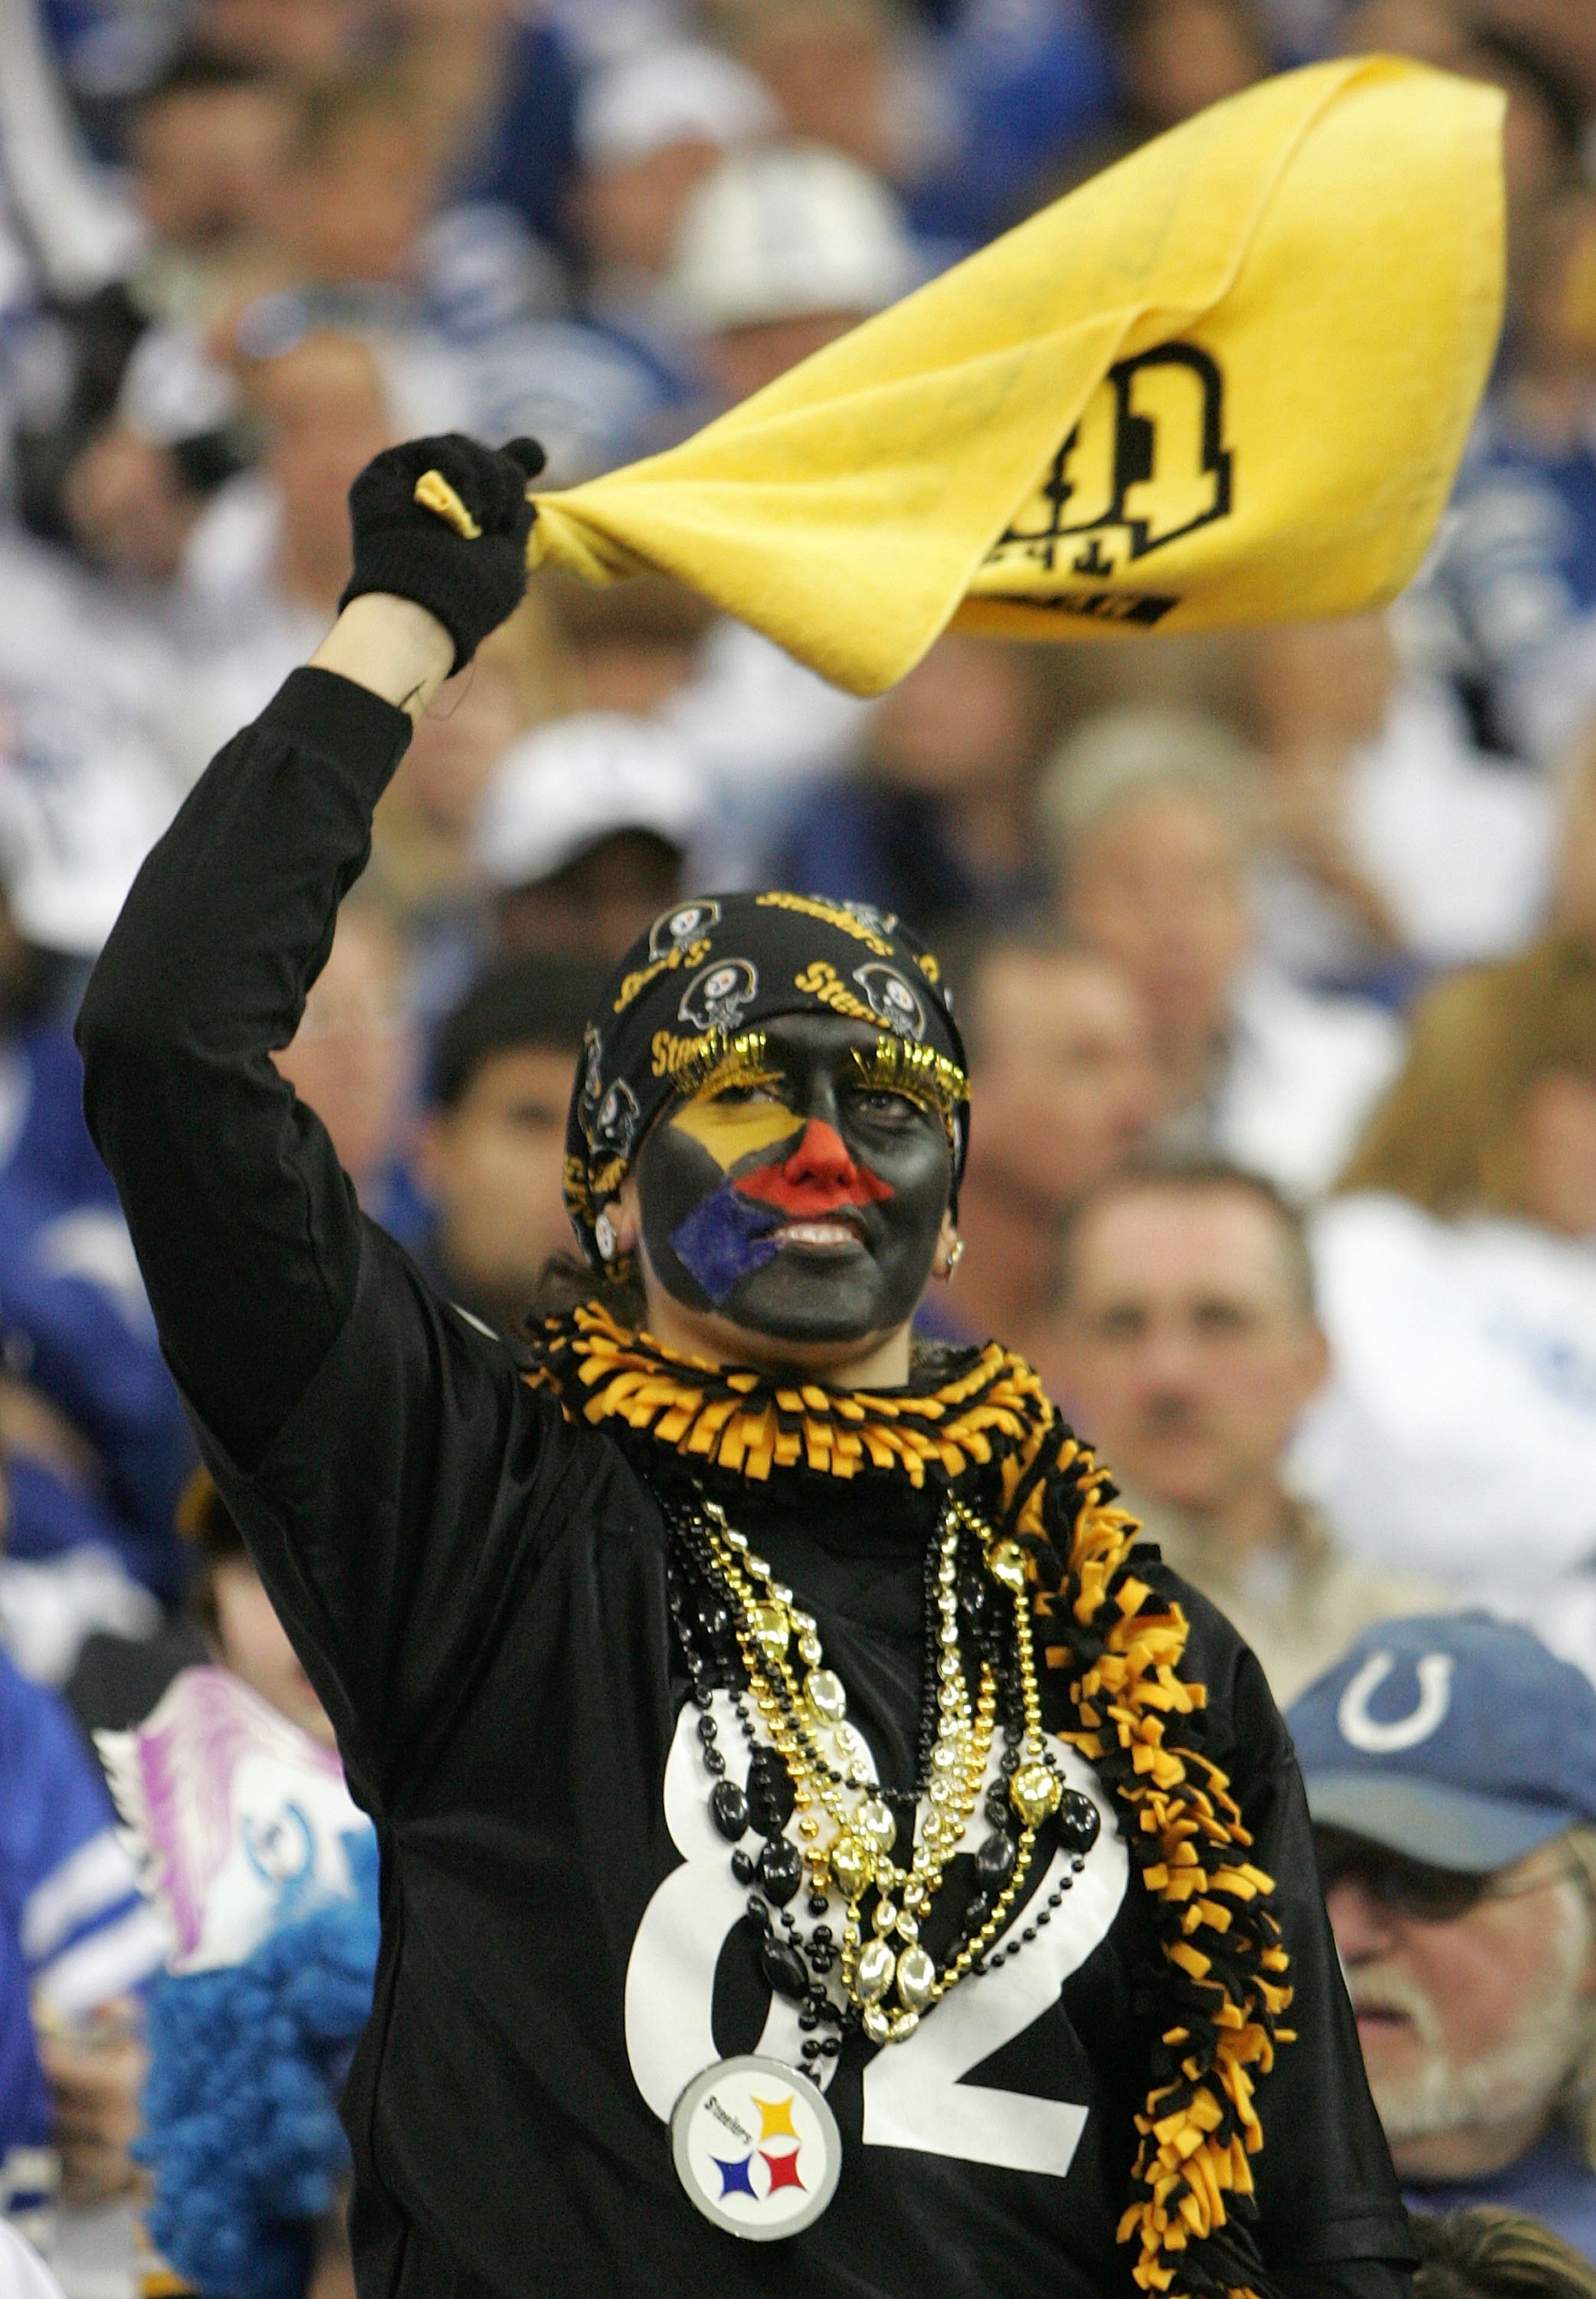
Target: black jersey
477	1587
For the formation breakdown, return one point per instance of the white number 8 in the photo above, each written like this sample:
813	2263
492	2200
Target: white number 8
915	2095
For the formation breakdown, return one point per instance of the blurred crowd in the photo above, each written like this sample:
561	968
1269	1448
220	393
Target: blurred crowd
1276	952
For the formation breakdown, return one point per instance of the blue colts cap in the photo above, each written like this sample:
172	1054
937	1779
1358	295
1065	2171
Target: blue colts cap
1454	1739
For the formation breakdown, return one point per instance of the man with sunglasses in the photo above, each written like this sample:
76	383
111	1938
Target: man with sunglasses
1450	1766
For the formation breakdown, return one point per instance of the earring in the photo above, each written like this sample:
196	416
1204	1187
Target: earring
956	1254
604	1235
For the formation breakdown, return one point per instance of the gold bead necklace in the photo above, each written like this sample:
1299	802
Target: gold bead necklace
846	1833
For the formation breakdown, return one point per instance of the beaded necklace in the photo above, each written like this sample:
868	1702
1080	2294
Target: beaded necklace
742	1629
1115	1648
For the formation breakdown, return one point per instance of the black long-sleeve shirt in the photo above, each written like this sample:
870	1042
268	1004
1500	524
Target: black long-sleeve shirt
477	1589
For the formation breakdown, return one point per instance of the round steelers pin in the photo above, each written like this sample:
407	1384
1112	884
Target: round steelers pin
757	2147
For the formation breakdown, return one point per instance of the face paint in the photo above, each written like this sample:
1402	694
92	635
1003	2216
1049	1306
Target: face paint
737	1231
731	1131
810	1215
818	1178
725	1240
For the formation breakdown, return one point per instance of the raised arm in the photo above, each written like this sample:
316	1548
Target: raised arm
390	1469
246	1230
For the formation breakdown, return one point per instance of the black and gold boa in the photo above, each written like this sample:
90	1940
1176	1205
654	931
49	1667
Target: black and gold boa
1114	1647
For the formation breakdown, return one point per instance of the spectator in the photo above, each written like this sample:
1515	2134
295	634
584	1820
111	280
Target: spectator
75	1940
492	1149
581	836
648	130
206	145
1014	91
1559	34
1188	1347
1540	134
422	862
500	85
1430	31
1490	2253
267	1978
234	1614
1389	843
302	41
1059	1050
831	66
1457	1435
29	2277
348	1061
1544	123
1574	897
1450	1769
130	509
270	557
1150	814
94	1444
782	249
1508	602
938	823
1180	56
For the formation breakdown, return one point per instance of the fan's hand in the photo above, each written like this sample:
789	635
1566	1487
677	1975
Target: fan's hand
445	522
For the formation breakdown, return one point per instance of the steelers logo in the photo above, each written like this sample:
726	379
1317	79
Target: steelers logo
681	925
881	922
719	996
892	1000
615	1124
756	2148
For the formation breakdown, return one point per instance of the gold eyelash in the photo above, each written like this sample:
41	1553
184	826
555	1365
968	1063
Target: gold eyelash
700	1066
894	1065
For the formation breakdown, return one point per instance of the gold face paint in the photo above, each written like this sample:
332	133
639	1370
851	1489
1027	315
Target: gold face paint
732	1130
720	1120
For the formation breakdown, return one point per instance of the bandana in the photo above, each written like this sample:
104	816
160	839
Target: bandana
691	995
1226	382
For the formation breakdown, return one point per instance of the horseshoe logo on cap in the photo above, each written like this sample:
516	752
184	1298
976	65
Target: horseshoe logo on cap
1390	1738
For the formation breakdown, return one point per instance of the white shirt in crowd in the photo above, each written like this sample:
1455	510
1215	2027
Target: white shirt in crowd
23	2274
1457	1436
1302	1074
762	729
1458	843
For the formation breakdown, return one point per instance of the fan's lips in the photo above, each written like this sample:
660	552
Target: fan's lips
842	1232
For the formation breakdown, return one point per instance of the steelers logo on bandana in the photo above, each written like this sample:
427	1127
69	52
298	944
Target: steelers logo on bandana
892	1000
686	923
614	1126
881	922
756	2148
719	996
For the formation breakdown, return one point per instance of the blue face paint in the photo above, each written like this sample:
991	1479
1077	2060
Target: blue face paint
724	1239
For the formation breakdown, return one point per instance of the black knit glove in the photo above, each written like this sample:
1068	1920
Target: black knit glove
426	550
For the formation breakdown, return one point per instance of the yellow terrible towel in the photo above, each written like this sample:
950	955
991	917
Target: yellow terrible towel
1227	381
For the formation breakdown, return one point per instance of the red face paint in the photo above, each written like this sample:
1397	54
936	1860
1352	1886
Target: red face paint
818	1178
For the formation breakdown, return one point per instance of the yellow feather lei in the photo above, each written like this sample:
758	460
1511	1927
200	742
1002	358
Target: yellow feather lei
1115	1648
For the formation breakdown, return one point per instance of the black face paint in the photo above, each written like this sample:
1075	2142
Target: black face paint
803	1201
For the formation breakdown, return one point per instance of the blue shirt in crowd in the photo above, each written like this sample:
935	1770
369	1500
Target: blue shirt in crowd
1552	2181
73	1930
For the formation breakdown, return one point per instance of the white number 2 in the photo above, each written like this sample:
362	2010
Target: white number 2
915	2095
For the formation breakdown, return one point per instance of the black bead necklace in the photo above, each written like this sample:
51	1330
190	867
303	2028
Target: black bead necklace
797	1965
